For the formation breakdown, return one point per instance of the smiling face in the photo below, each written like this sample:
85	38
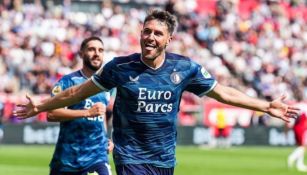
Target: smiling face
92	55
154	39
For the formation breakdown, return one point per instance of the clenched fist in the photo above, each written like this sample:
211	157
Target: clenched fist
97	109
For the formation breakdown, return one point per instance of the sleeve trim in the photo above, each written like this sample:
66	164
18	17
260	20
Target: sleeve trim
212	87
98	85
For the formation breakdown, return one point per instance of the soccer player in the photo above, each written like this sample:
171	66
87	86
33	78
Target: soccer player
149	88
297	156
82	145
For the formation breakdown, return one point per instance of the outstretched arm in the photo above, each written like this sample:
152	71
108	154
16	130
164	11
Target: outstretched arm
65	98
275	108
59	115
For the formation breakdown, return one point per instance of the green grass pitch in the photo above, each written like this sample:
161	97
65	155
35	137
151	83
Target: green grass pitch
33	160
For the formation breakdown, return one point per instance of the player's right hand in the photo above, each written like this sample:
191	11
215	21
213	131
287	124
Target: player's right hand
97	109
26	110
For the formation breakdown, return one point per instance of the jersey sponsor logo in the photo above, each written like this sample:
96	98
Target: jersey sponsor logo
175	78
134	79
154	101
57	89
205	73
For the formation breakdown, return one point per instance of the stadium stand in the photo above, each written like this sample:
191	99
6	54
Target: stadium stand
255	46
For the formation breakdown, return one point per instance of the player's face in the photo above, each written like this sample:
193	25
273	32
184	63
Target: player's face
154	39
92	55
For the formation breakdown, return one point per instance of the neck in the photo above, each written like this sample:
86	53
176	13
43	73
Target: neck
87	71
154	63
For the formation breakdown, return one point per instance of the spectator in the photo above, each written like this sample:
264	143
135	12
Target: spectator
242	46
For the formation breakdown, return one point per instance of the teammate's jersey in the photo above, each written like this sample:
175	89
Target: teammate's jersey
147	103
82	142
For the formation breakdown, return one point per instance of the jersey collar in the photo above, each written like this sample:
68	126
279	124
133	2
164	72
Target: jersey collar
83	75
150	66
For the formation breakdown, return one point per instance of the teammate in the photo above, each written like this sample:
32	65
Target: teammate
297	156
149	88
82	146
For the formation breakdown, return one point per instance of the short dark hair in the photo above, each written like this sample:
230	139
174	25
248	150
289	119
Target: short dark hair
163	16
84	42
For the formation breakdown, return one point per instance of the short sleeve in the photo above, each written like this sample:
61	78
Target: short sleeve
201	81
60	86
105	77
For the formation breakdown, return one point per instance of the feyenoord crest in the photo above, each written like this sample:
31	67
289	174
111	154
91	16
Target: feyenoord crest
175	78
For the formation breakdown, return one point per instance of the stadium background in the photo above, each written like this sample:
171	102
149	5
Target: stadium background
256	46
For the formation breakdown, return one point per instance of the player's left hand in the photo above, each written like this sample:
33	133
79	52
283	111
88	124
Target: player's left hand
110	146
281	110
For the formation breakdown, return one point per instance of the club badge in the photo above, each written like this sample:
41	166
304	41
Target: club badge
175	78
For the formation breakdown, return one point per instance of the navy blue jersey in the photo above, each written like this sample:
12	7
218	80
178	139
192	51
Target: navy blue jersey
147	103
82	142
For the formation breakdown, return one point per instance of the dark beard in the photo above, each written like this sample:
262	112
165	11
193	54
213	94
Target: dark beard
88	64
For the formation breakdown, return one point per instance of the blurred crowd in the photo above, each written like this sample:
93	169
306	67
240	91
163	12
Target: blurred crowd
256	46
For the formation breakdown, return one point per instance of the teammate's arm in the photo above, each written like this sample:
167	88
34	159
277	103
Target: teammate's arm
68	97
275	108
63	114
110	142
105	122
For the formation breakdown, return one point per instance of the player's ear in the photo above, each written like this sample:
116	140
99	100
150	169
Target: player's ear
169	40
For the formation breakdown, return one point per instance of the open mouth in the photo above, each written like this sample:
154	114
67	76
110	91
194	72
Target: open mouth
150	46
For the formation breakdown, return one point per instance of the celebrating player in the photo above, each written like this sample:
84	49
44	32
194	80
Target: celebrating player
82	144
149	87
